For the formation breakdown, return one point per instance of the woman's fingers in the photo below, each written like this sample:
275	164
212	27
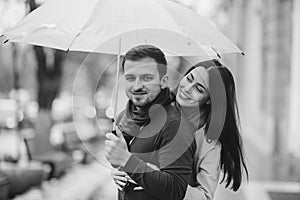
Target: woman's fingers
120	183
119	188
120	178
118	172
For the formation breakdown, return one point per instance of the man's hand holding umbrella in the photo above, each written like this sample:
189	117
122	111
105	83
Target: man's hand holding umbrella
116	151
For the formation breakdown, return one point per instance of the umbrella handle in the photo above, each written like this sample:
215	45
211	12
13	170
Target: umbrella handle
114	131
117	90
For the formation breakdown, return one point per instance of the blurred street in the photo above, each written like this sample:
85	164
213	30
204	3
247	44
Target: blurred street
93	181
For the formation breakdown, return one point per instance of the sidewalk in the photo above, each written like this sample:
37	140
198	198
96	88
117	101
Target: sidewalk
88	182
93	181
82	182
263	168
223	193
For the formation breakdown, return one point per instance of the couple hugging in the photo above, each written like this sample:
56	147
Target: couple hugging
172	145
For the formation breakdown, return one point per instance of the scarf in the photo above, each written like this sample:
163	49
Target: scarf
134	119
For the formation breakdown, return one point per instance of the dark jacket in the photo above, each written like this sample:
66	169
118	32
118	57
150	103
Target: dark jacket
168	143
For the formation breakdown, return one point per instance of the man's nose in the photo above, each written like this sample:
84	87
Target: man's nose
138	84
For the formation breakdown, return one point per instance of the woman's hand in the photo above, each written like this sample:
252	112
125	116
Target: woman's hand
120	178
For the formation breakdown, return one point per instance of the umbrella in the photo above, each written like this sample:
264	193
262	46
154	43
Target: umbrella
97	26
115	26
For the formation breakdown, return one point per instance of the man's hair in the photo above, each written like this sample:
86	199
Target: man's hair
147	51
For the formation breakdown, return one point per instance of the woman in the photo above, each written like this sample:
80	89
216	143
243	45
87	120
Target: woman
206	97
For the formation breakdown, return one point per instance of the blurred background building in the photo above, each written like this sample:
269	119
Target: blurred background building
268	89
40	101
267	78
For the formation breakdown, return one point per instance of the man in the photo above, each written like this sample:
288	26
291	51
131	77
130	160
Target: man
156	147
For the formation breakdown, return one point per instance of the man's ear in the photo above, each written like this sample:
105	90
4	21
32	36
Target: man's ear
164	81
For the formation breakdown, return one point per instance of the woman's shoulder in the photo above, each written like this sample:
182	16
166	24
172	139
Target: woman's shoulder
213	144
207	145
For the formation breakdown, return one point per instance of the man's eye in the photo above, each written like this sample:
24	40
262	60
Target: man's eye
129	78
147	78
189	79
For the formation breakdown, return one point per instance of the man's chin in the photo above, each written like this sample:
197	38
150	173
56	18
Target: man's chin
139	103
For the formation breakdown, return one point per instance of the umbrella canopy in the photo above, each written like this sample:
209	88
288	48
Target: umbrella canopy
115	26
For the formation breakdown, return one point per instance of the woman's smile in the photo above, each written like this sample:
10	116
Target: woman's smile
183	95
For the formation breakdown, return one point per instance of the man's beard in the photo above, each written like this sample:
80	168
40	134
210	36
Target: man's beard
142	97
139	101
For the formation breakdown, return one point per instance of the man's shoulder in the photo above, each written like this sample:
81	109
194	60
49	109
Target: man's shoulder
177	132
172	113
176	120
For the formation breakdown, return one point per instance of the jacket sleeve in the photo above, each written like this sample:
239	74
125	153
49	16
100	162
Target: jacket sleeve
207	176
175	157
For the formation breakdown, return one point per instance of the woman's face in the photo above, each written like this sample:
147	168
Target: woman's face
193	88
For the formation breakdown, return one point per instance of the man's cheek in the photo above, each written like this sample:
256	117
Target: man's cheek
128	94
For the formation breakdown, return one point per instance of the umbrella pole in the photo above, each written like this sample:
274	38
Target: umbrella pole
115	106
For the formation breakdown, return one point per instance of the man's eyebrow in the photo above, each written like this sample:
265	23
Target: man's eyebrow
140	75
148	75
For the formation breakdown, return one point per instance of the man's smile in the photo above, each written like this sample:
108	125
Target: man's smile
139	93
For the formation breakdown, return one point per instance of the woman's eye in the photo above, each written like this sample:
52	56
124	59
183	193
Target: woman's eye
199	89
189	79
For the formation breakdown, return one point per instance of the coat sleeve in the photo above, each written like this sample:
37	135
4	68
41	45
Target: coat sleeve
175	157
207	176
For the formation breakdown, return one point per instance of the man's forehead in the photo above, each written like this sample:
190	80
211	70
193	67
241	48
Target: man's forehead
142	65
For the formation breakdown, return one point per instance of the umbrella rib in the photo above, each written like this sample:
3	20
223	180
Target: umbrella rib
97	6
73	41
216	52
3	39
87	22
166	12
187	37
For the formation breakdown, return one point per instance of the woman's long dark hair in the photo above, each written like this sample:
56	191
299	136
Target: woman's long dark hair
232	155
